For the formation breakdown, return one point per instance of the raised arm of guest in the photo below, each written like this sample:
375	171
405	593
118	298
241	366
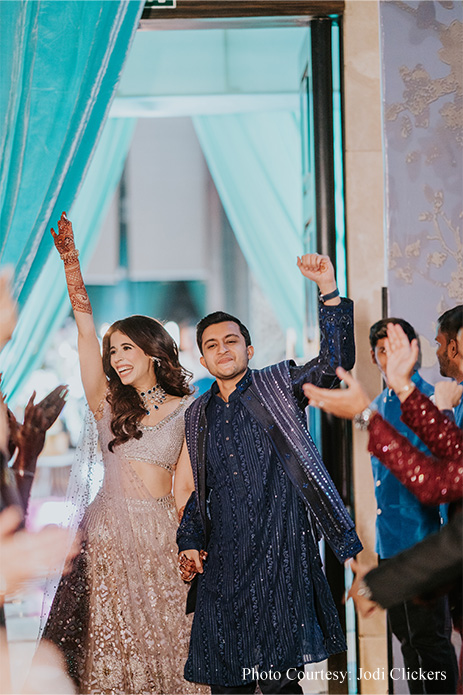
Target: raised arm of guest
432	480
336	324
91	366
29	437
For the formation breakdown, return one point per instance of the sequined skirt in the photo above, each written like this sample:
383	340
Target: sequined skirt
120	615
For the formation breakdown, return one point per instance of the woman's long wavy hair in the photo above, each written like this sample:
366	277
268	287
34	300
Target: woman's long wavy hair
126	405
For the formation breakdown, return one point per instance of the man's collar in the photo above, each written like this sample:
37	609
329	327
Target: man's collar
240	387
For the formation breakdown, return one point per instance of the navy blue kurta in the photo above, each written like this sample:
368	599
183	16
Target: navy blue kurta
258	581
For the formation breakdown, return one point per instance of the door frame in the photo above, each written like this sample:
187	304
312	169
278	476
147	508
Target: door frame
235	14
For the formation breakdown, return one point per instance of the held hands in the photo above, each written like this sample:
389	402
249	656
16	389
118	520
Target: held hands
64	240
345	403
319	269
190	563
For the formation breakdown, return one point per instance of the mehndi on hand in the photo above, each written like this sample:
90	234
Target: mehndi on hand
64	240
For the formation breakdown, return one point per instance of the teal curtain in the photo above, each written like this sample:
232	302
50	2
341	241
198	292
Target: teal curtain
48	304
61	63
255	162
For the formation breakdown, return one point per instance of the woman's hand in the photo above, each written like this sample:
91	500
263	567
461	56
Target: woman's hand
190	563
64	240
38	418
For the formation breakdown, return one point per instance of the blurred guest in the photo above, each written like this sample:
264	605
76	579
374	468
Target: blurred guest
421	629
26	556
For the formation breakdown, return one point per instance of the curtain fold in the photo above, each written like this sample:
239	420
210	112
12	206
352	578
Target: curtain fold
254	160
61	63
48	304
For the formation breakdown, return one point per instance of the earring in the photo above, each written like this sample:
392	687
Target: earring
156	361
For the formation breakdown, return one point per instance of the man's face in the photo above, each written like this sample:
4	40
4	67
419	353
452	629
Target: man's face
225	354
450	360
442	354
379	356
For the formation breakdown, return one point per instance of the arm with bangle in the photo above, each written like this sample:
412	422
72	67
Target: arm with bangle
91	367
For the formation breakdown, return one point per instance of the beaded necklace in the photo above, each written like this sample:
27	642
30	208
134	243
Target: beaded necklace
153	398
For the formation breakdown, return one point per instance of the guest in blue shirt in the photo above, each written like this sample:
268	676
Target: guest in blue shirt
401	522
262	497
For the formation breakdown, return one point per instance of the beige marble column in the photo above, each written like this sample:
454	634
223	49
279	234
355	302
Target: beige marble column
365	248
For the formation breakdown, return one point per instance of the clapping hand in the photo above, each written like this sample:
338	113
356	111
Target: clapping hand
345	402
447	394
30	436
401	357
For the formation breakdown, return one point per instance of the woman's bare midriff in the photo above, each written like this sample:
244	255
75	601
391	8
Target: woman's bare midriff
157	480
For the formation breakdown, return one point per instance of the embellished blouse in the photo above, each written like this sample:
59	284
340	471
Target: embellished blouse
160	444
432	479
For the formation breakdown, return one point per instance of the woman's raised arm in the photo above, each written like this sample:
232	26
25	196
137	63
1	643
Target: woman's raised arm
91	366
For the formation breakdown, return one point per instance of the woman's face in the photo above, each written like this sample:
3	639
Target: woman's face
131	364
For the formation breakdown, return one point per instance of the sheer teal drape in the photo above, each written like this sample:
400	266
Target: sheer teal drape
48	304
61	62
254	160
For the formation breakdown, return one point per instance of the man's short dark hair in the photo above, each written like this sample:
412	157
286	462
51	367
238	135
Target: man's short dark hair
219	317
450	322
379	330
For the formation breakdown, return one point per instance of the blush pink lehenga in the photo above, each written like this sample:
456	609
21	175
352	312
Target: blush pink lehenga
119	616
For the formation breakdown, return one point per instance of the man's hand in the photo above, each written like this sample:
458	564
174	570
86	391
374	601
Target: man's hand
364	605
64	240
190	563
319	269
401	358
447	394
340	402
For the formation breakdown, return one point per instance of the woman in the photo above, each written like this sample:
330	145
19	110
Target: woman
119	617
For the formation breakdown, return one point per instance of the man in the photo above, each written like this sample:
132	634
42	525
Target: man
263	605
449	358
402	521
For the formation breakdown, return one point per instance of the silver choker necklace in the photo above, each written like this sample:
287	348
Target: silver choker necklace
152	398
